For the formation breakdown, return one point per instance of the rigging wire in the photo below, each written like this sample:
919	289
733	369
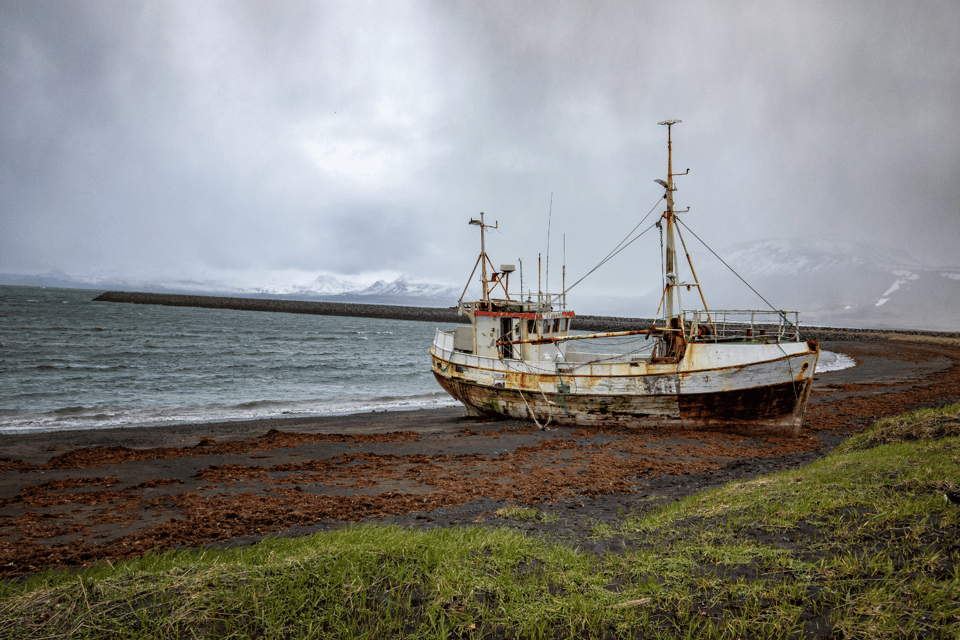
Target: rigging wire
617	249
733	271
663	267
549	222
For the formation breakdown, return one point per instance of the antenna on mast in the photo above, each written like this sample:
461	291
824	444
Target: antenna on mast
563	303
521	278
549	221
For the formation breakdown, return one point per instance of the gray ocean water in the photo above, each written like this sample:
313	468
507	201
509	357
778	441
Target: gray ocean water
67	362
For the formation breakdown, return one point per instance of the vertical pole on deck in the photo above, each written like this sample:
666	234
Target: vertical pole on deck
670	259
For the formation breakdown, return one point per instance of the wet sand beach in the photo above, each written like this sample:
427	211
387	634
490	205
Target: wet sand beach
75	498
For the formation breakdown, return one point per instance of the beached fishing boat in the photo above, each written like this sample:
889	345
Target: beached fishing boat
689	368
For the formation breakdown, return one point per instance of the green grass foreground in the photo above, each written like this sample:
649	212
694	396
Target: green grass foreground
860	544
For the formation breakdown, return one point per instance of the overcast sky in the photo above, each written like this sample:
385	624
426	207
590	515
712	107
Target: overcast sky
251	141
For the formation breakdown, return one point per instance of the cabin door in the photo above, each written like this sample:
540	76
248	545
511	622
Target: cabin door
506	329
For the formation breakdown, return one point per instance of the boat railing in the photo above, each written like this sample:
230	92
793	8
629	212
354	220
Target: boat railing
550	301
541	303
444	340
544	302
749	325
493	304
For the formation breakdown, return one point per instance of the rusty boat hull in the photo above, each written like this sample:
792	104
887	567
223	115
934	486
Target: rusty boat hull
753	386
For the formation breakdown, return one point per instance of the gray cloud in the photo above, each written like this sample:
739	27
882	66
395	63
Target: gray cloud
178	139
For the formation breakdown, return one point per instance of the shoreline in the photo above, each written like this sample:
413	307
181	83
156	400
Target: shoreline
224	425
34	446
226	420
869	372
280	418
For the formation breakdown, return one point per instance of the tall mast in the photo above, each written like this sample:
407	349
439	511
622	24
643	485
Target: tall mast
670	260
483	259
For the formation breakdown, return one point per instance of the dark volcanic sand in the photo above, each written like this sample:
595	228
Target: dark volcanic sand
79	497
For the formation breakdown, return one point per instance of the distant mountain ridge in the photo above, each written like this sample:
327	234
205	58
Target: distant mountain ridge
844	283
831	282
804	255
401	291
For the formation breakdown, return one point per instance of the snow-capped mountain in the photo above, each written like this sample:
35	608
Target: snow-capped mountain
840	283
400	291
796	256
349	289
403	287
330	285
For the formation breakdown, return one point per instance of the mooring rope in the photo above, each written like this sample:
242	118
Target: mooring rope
533	415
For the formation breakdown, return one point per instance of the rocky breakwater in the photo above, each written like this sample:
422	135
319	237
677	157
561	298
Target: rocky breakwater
391	312
449	314
323	308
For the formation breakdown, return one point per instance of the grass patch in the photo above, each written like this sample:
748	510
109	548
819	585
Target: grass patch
922	338
529	514
860	544
362	581
926	424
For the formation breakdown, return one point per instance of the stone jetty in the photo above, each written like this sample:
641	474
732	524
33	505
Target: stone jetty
449	314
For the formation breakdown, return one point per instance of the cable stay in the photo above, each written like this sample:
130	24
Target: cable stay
734	272
623	244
